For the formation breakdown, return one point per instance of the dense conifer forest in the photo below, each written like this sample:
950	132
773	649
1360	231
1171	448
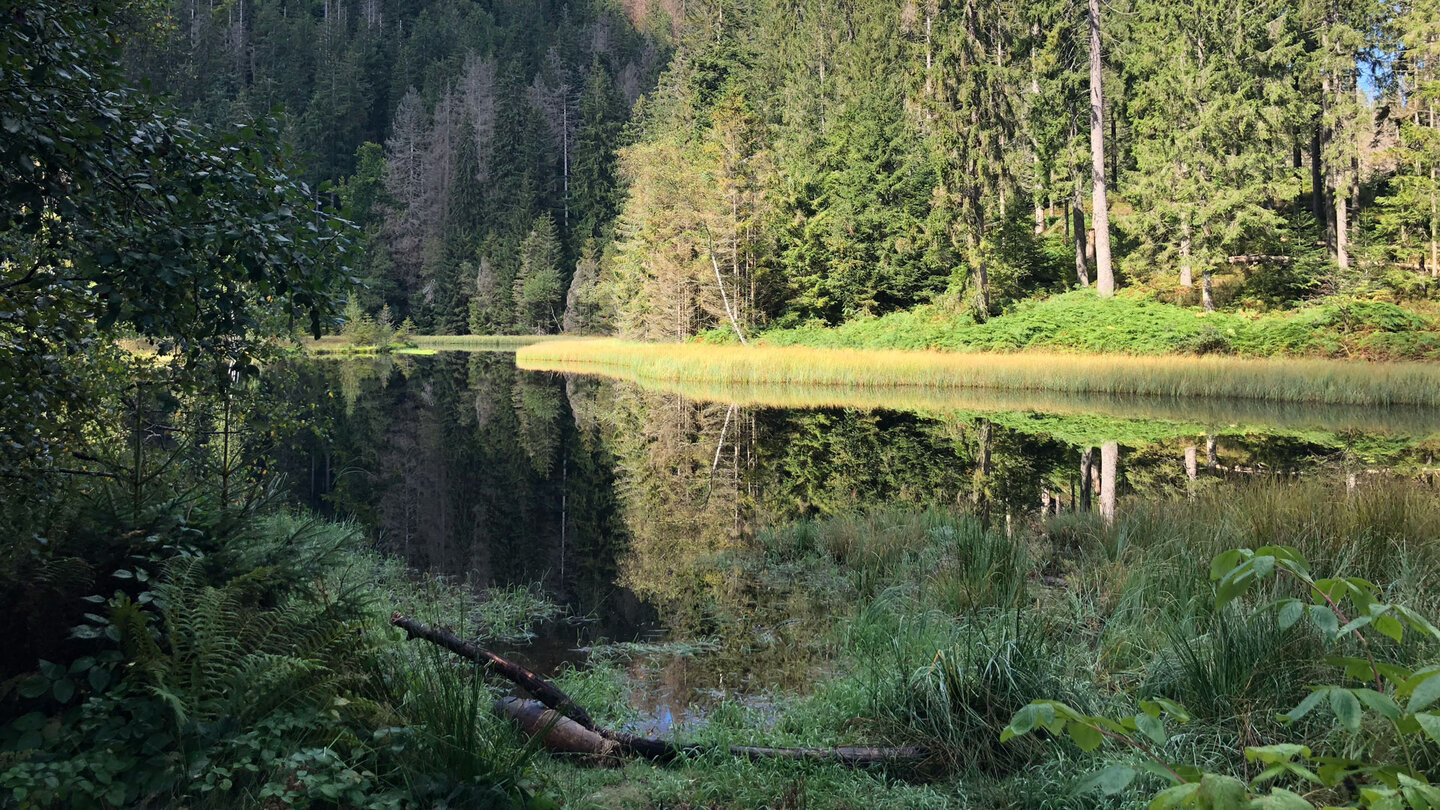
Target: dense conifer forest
654	170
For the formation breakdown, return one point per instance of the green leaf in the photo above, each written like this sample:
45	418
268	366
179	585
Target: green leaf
1222	792
1110	780
34	686
1379	703
1354	624
1324	620
1224	562
1283	752
1087	737
64	689
1390	626
1024	720
1424	693
1281	799
1310	702
1152	727
1173	796
1430	723
1290	613
1263	566
1346	708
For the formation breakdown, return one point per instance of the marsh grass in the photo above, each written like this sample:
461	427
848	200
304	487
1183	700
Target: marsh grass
1291	380
943	628
458	751
482	342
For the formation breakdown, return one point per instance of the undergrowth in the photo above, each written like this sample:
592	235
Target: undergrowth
1079	322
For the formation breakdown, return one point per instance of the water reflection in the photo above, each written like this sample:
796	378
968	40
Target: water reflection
640	507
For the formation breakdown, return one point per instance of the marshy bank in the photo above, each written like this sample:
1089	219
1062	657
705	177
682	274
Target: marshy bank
938	628
1209	377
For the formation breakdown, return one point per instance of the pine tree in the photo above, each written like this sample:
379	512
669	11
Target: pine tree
1214	105
1410	212
593	189
538	289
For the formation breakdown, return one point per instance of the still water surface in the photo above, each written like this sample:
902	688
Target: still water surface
629	505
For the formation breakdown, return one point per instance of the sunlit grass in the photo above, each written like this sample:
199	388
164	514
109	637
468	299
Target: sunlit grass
481	342
1271	380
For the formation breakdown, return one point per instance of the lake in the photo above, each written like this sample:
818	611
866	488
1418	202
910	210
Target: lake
644	510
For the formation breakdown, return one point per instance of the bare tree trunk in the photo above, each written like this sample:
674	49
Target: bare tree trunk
1087	462
1317	182
1342	241
1082	266
1109	468
1212	459
725	299
1207	294
1099	213
1191	471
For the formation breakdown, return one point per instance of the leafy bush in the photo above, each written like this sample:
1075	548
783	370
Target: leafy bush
1385	707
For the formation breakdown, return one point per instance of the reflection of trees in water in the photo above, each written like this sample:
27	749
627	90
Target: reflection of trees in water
472	467
467	467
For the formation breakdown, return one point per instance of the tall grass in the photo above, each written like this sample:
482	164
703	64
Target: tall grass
482	342
1317	381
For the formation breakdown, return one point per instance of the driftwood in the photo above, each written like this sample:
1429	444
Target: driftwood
568	728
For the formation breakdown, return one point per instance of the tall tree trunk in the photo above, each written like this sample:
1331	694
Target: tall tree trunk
1212	458
1109	468
1207	294
1191	469
1099	213
1077	233
1037	187
1434	226
1317	182
1342	241
1087	462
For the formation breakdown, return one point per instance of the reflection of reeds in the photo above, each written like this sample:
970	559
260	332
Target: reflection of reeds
1311	381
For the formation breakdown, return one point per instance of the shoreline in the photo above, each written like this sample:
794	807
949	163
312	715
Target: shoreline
1295	380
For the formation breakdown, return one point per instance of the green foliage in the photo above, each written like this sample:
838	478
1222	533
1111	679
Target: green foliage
1384	724
539	289
267	673
122	218
1077	321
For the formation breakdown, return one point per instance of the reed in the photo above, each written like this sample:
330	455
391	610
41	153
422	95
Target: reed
482	342
1269	380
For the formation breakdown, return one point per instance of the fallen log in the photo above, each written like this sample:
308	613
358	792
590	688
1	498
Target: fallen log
567	728
547	692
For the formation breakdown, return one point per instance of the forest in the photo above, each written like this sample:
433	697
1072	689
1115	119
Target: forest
808	403
660	171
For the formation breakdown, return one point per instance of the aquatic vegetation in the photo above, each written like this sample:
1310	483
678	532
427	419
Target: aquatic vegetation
1296	380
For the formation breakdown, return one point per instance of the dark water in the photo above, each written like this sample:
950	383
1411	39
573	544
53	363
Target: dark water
618	500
